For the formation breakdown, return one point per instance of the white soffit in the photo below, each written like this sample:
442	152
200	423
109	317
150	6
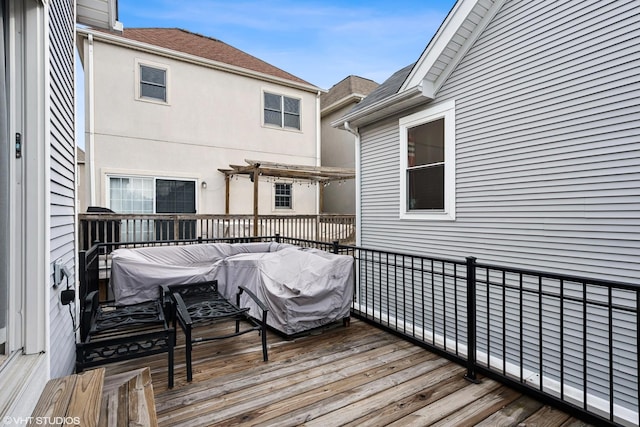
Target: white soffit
452	41
98	14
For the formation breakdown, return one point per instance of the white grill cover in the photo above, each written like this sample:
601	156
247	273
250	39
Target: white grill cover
304	288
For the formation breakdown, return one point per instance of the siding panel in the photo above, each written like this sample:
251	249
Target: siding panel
548	176
62	239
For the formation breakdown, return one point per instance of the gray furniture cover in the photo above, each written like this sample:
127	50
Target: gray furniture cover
304	288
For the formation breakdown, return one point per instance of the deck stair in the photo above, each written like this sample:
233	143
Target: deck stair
88	400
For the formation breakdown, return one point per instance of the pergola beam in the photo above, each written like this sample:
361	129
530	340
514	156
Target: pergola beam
255	169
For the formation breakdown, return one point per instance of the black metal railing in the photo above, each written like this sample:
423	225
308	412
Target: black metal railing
569	341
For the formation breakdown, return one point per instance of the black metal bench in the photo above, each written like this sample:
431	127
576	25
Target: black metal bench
201	304
110	333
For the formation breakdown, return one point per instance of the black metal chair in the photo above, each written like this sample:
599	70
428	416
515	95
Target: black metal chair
200	304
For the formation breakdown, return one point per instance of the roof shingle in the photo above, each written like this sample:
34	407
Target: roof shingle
351	85
195	44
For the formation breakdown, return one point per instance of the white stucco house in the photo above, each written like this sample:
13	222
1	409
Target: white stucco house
167	108
37	193
514	138
338	147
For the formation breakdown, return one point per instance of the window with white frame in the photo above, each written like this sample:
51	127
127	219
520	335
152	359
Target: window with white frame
427	141
283	196
152	82
281	111
149	195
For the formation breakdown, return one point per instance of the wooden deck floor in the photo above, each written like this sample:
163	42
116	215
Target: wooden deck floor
355	376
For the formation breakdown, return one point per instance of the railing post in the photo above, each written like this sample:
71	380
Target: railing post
176	228
471	321
277	237
335	245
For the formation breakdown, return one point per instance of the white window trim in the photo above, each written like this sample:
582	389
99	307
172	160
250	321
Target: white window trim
446	110
282	127
273	198
138	96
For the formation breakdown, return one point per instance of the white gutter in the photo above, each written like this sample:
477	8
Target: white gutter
89	121
358	183
387	106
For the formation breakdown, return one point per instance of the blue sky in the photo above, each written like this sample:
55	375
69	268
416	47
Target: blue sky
321	42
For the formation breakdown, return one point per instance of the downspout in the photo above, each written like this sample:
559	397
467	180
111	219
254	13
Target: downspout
90	122
358	183
318	147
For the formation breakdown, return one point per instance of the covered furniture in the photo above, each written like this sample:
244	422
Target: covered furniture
303	288
200	304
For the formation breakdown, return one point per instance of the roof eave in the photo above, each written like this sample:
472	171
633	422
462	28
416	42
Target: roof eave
440	42
352	98
386	107
170	53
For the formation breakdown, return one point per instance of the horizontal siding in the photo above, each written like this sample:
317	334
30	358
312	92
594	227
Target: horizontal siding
547	146
62	221
547	177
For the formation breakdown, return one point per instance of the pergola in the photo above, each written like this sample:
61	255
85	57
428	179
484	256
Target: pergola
255	169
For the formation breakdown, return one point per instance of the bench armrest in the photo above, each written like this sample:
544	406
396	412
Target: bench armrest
181	308
252	296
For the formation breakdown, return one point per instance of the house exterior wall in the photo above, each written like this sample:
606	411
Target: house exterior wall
547	162
338	150
39	221
547	151
212	119
62	178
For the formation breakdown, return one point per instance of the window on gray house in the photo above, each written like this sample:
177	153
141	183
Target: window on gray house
283	196
153	83
281	111
425	166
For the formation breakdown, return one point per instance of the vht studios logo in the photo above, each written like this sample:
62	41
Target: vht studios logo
41	420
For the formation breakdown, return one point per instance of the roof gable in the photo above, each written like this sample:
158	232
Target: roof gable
420	82
460	29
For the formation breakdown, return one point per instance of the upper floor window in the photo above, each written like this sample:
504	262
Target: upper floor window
283	196
152	82
427	141
281	111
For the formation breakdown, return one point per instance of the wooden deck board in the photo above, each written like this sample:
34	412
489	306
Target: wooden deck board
354	376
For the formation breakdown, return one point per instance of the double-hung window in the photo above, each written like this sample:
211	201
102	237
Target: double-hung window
281	111
427	141
152	82
283	195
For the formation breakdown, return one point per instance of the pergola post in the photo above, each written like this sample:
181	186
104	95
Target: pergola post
256	181
226	194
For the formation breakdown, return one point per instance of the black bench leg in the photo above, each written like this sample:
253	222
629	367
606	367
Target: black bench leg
263	331
188	346
170	356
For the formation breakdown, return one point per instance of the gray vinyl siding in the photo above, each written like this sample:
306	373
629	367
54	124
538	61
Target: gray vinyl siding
547	177
62	172
547	146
